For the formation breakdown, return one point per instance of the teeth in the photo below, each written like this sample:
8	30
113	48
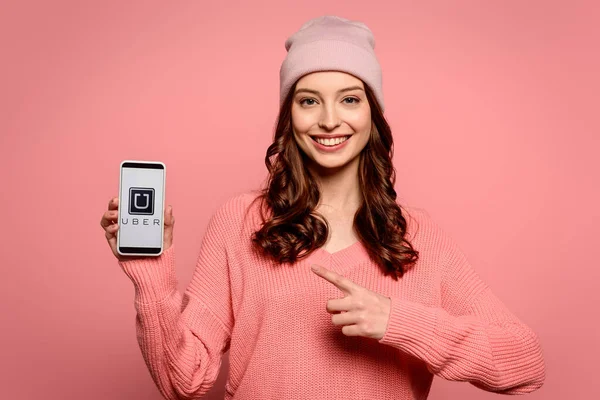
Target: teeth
332	142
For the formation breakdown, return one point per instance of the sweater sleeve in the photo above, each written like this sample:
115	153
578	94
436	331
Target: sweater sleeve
472	337
183	337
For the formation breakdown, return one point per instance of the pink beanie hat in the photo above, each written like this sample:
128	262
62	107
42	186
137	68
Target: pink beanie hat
331	43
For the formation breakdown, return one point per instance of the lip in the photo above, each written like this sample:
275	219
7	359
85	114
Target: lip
326	149
331	136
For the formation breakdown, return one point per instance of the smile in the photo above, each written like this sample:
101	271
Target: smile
329	145
331	142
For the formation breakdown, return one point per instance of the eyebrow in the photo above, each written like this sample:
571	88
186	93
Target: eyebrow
339	91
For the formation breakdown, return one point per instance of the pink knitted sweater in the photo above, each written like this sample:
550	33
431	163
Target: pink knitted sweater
444	321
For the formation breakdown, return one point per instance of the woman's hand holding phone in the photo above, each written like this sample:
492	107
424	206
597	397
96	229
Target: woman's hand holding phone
110	225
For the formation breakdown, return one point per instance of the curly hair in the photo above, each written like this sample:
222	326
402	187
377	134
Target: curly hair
292	229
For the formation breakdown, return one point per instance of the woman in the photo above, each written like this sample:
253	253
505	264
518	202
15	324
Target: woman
395	301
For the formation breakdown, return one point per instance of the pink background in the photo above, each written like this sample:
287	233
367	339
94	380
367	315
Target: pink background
494	109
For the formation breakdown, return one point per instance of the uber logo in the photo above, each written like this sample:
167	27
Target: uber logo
141	201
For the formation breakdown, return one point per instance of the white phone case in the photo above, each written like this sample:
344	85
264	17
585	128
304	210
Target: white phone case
162	202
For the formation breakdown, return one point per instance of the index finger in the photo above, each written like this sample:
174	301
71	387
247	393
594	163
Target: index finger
338	280
113	204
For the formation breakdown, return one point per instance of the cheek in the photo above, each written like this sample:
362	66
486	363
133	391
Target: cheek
301	122
361	121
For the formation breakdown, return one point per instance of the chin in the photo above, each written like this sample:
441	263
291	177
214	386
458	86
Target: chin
328	162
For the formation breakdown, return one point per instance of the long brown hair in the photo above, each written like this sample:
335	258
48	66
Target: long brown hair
293	229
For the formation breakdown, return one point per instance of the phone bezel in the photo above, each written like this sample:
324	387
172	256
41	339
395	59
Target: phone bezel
142	251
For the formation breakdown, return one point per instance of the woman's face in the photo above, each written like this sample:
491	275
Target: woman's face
331	106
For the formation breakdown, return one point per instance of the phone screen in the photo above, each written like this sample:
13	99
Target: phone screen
141	208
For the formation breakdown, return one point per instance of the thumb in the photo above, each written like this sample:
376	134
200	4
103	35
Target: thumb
169	218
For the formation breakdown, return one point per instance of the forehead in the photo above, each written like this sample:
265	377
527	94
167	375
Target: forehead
328	81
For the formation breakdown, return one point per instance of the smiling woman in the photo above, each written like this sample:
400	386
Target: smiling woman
394	300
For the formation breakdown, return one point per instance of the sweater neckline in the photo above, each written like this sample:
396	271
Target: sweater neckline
341	260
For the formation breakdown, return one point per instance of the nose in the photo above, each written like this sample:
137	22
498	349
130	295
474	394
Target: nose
329	118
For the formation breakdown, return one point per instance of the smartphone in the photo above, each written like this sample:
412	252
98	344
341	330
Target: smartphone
141	208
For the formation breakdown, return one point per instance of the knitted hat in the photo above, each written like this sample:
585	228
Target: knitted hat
331	43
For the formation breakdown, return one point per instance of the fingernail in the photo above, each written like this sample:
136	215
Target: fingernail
314	268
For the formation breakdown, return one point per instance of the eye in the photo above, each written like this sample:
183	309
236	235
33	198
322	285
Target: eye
352	98
303	100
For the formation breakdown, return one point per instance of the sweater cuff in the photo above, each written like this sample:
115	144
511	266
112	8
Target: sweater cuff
154	278
411	327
